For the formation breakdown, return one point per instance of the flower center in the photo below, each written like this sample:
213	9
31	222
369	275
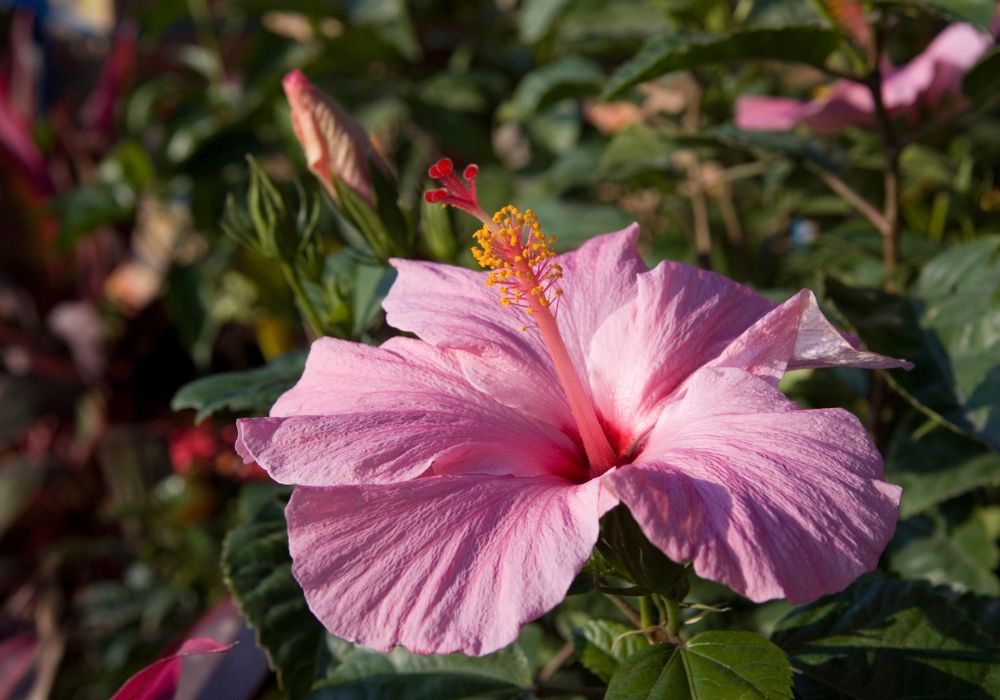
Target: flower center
512	246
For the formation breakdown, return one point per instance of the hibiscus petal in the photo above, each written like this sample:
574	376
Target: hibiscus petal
442	564
847	104
937	72
796	335
362	414
681	318
598	279
451	307
767	498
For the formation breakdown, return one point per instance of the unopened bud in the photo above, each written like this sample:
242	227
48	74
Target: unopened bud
336	146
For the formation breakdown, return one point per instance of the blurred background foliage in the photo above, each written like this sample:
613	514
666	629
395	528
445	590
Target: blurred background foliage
125	128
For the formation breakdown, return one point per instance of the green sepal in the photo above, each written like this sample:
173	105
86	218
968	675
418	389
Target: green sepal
623	545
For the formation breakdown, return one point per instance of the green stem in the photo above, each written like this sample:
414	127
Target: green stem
673	616
305	304
646	612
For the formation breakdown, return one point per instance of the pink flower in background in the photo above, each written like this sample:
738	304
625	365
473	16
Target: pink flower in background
449	487
208	447
159	680
929	84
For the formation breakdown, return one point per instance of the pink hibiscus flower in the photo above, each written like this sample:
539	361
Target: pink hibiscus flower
930	84
449	488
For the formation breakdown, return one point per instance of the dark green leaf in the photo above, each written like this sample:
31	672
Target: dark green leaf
935	466
258	572
536	17
801	44
371	284
387	205
509	664
82	210
423	686
571	76
959	291
982	82
601	645
252	391
572	222
634	150
950	329
976	12
888	639
711	666
962	555
353	663
985	610
780	142
611	26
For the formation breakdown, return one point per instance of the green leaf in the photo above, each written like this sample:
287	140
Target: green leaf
437	231
387	205
888	639
950	329
252	391
571	76
982	82
572	223
371	284
367	220
258	571
711	666
610	27
634	150
423	686
82	210
976	12
510	664
536	17
601	645
962	555
801	44
933	467
781	142
959	291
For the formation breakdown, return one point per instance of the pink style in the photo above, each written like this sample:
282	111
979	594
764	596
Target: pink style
930	84
450	487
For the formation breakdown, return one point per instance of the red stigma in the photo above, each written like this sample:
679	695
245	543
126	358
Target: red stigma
444	167
457	192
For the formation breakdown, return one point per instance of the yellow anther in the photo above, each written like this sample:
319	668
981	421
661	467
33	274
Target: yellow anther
517	254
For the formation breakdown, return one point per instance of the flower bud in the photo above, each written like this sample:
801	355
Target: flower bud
336	146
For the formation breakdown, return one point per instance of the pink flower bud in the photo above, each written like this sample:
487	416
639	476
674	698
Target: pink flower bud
336	146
